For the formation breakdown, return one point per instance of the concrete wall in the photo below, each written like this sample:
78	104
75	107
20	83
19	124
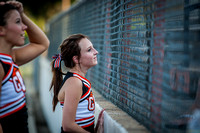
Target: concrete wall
53	118
115	120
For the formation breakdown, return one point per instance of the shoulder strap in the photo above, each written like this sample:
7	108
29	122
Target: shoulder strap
68	75
7	71
5	67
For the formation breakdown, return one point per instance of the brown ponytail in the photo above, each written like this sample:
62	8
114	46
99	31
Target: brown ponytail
56	83
68	48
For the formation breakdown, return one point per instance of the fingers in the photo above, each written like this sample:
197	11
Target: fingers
17	4
2	3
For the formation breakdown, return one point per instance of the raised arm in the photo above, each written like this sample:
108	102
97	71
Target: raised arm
38	40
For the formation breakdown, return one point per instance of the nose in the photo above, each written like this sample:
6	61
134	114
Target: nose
24	26
96	52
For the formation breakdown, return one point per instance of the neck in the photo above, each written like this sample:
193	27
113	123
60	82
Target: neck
78	71
5	48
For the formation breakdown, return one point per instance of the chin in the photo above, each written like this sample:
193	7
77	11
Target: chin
94	64
21	43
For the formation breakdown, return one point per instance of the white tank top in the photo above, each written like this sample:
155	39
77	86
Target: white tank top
12	97
86	106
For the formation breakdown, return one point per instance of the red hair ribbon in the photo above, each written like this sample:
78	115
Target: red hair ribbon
57	61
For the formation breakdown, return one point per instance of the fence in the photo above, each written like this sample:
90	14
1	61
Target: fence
148	62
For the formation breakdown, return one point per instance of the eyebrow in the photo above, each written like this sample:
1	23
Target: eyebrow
90	47
18	19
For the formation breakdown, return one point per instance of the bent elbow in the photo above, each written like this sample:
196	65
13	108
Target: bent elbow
67	129
47	43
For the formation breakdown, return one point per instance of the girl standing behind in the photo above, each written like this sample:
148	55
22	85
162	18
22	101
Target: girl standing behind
13	53
74	91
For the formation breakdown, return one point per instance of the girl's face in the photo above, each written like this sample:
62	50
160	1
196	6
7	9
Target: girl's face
88	53
15	29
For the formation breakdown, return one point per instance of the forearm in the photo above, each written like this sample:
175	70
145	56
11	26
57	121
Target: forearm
35	34
74	128
38	43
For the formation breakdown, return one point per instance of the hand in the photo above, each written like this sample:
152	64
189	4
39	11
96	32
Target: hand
17	4
2	3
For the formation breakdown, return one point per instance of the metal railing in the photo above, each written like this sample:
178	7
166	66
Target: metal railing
148	55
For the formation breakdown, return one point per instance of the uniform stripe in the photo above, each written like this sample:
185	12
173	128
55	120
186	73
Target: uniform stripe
62	104
85	95
12	107
86	122
83	79
86	83
8	75
6	60
5	56
14	110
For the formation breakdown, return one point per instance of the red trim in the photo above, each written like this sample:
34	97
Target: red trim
88	125
87	86
6	54
84	84
7	114
9	69
86	93
84	118
83	77
11	103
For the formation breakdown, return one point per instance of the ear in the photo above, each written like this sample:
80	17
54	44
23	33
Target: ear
2	31
75	59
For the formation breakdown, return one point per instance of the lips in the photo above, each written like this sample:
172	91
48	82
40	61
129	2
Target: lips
22	35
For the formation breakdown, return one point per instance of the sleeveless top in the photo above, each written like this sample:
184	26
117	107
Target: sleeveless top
86	106
12	97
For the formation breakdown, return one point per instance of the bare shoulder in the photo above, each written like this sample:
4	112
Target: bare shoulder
73	86
73	82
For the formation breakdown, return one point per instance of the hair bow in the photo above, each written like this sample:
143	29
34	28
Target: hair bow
57	61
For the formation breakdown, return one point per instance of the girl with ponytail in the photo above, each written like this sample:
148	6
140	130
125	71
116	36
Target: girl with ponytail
74	92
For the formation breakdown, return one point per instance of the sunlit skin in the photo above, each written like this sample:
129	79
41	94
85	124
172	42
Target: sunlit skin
12	34
88	57
14	30
12	38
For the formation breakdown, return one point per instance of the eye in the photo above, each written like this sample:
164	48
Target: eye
89	49
18	21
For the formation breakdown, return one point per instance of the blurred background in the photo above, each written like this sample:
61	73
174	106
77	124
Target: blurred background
148	58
